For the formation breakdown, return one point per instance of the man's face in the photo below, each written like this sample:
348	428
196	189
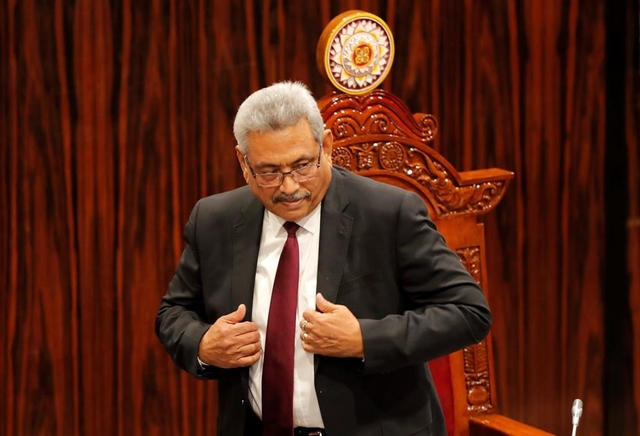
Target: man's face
283	151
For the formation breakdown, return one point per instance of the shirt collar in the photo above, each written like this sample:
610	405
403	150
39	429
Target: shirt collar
310	223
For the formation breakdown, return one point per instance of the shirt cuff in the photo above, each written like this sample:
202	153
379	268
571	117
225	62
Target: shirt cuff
202	364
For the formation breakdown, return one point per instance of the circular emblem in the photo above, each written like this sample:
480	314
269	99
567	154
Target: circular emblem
391	156
341	156
355	51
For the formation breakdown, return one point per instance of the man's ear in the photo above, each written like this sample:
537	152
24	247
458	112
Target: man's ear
243	164
327	143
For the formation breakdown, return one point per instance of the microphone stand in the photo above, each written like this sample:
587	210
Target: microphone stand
576	413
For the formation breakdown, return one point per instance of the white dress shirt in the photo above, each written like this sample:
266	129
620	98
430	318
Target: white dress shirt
306	411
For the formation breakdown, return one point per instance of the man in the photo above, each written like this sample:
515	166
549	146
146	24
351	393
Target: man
376	291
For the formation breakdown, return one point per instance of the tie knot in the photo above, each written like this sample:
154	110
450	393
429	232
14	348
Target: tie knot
291	228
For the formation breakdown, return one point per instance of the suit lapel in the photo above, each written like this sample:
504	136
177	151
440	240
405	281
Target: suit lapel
246	243
335	233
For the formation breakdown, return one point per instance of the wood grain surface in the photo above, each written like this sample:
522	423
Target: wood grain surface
115	117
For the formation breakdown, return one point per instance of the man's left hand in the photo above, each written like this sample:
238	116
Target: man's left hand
332	330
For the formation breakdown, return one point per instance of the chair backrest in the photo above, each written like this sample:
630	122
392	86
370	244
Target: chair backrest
377	136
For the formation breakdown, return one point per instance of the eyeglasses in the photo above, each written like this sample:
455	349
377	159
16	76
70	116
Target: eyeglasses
300	174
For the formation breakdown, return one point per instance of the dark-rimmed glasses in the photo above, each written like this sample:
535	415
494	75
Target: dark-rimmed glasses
300	174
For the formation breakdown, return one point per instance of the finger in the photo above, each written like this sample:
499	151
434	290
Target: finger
242	328
248	360
309	315
308	347
236	316
324	305
304	337
249	349
250	337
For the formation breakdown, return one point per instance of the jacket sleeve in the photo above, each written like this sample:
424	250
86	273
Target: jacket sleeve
181	319
446	309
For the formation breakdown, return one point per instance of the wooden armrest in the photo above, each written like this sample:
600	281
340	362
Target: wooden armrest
493	424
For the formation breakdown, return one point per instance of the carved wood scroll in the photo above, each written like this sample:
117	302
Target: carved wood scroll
476	357
377	132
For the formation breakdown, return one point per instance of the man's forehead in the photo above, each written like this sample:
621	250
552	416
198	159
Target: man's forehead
287	142
301	129
283	155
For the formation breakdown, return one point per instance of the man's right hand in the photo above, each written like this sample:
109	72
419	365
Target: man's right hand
230	342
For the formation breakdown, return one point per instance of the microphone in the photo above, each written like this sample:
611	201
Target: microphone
576	413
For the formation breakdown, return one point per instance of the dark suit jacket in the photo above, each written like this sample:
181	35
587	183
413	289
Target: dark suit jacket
380	256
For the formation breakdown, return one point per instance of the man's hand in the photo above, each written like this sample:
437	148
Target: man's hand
231	343
331	331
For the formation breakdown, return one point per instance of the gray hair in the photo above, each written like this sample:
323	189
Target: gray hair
276	107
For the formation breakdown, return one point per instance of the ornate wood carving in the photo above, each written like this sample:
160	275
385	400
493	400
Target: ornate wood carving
470	258
377	112
377	131
476	371
476	357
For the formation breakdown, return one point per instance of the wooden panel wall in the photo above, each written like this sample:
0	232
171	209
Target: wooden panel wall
633	259
116	117
631	130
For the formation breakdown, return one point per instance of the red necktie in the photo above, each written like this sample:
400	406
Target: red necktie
277	373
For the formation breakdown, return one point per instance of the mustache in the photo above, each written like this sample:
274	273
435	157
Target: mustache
299	195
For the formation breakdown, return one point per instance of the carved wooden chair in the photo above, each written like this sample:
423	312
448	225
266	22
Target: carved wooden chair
377	136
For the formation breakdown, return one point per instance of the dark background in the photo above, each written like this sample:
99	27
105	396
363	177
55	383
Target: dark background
115	117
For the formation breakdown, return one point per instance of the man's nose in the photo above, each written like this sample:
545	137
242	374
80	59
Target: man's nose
289	184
